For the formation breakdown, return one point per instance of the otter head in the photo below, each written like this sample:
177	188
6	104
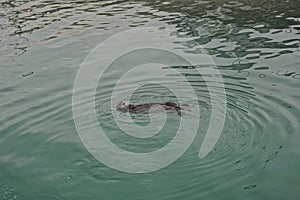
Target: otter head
123	106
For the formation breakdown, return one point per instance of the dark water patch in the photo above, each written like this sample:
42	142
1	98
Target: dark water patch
250	187
27	74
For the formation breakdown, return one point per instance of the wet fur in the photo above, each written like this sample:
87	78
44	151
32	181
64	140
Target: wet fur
169	107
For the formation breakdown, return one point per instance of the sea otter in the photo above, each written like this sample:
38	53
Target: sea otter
168	107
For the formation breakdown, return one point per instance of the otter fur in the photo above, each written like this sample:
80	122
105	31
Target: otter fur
168	107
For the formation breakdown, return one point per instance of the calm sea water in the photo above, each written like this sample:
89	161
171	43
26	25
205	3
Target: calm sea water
255	46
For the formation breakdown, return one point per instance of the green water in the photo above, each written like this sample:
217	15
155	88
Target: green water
255	46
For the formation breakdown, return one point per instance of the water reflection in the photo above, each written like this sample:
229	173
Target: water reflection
245	24
255	45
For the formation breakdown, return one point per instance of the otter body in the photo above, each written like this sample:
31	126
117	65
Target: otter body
169	107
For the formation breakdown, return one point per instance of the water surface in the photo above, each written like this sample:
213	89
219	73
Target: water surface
256	47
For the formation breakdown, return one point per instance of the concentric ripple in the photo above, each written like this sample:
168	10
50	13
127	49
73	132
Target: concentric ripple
256	47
